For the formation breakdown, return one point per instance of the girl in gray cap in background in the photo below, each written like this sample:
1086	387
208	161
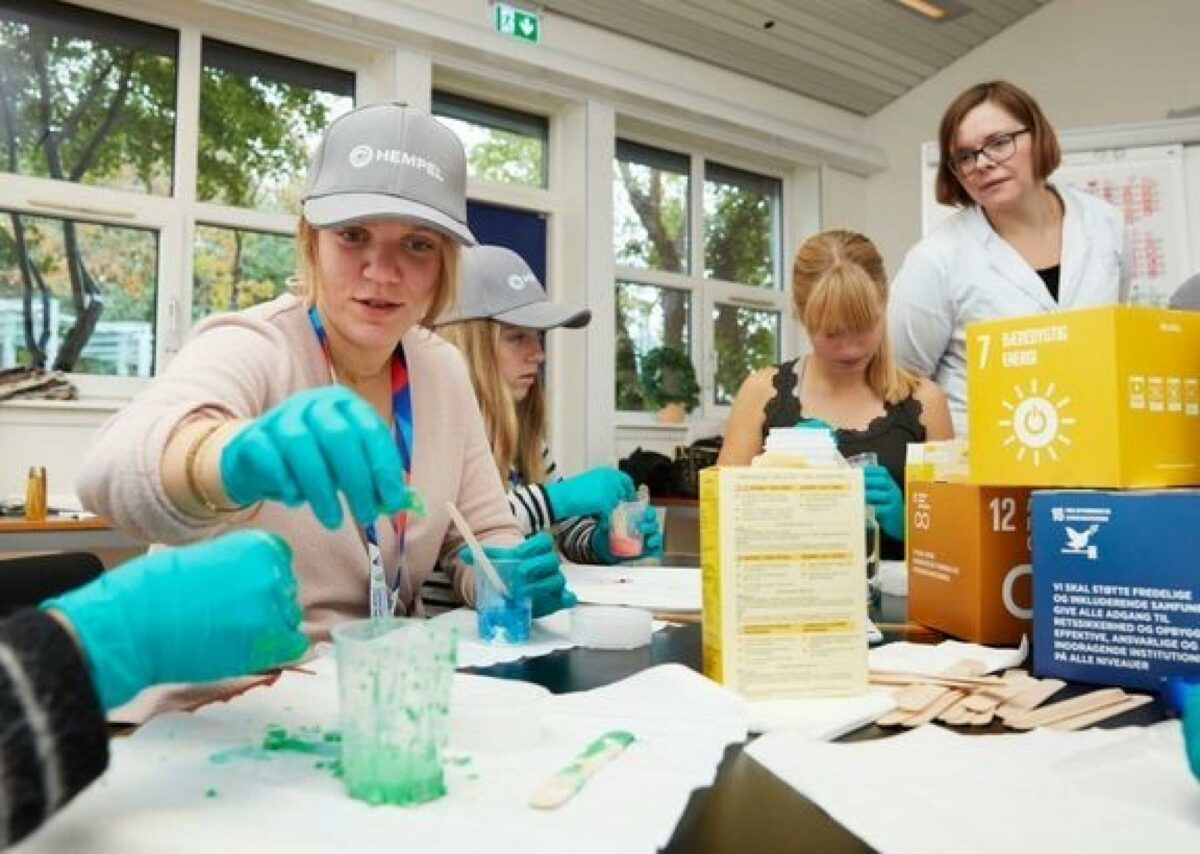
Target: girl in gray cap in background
318	415
497	323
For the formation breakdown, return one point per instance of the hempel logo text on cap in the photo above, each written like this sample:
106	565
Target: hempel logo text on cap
362	155
517	281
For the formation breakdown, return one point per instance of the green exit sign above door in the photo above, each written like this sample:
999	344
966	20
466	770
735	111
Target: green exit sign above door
518	23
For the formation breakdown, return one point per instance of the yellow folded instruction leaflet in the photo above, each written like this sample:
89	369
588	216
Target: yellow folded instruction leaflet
782	552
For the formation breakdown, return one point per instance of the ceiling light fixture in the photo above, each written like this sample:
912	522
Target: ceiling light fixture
935	11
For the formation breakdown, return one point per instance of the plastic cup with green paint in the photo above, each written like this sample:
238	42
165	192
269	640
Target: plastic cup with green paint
394	678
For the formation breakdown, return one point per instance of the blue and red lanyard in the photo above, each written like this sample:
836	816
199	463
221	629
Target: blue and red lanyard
402	431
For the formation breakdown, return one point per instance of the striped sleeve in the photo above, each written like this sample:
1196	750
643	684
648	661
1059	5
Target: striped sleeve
54	741
573	535
530	506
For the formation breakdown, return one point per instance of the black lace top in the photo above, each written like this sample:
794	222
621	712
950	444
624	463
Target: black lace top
888	435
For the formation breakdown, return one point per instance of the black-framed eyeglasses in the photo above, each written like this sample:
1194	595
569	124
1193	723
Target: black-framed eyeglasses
997	149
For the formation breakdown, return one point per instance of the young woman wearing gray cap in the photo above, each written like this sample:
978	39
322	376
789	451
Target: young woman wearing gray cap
497	322
289	413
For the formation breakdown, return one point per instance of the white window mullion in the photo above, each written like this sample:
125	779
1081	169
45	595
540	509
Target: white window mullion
600	150
176	260
703	355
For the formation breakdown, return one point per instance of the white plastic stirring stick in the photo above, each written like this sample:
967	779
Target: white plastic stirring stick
481	558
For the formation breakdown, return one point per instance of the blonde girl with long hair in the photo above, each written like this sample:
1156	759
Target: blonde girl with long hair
498	323
850	382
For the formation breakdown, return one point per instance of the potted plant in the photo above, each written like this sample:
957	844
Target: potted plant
668	383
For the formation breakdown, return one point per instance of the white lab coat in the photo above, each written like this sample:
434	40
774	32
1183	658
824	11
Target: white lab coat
964	272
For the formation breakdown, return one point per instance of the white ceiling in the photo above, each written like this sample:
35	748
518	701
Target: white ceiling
854	54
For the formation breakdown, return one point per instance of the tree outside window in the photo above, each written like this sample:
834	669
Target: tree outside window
89	98
502	145
740	286
261	115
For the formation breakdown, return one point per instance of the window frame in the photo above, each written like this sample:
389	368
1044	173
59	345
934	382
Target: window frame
706	292
473	109
174	217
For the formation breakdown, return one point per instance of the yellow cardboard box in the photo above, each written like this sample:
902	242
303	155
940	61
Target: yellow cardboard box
1098	397
782	554
968	565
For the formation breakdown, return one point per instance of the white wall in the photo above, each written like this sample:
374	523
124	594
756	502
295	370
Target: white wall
1088	63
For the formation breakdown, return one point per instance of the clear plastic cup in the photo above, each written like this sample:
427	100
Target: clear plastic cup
394	678
624	531
863	460
872	552
501	618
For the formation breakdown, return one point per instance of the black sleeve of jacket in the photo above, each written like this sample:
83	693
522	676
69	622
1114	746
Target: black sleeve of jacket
54	739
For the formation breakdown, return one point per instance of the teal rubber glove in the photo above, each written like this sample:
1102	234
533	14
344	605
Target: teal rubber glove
885	496
652	538
814	424
594	492
225	607
538	575
1182	696
312	446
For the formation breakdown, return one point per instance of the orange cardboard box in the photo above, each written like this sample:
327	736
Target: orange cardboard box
968	564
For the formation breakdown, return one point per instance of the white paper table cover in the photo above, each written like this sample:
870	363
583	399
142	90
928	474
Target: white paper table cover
155	796
930	790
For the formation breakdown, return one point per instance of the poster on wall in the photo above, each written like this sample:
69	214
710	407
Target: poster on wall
1147	186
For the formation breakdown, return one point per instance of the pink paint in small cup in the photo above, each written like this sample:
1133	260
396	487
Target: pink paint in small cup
624	531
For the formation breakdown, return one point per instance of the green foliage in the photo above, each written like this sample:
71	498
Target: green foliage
79	105
508	158
651	221
743	345
667	376
738	245
255	135
651	210
86	111
234	269
629	388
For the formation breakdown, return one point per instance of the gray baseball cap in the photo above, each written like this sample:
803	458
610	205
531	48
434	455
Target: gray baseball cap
389	161
495	283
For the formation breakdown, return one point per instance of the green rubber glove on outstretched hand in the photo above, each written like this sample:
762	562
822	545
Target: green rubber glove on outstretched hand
652	538
885	496
312	446
221	608
538	575
594	492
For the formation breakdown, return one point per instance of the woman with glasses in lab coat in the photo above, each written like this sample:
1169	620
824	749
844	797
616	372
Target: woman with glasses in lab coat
1019	245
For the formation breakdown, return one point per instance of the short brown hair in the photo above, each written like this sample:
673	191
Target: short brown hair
1016	102
309	285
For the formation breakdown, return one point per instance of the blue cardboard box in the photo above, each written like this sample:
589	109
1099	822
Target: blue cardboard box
1116	585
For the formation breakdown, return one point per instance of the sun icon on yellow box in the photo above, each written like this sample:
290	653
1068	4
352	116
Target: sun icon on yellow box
1038	423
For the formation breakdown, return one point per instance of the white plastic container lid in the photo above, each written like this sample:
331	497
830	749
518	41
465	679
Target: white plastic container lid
610	627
